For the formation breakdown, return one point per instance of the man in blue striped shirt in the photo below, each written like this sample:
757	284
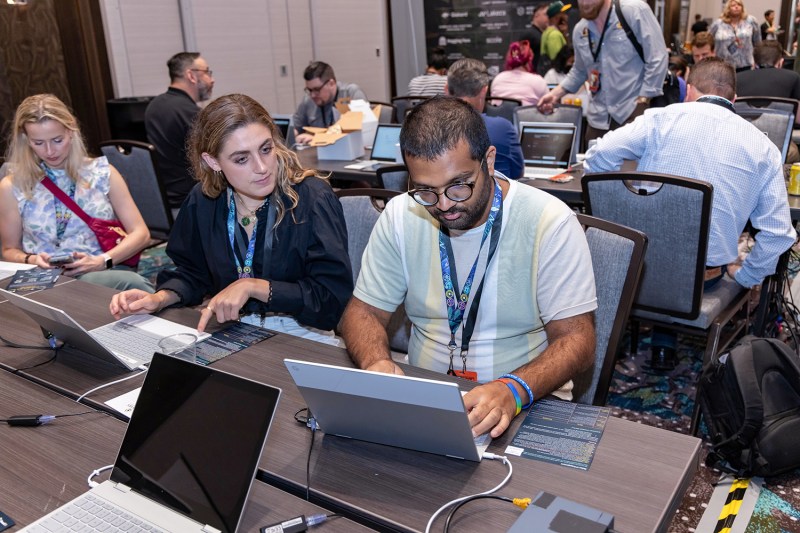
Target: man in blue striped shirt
705	139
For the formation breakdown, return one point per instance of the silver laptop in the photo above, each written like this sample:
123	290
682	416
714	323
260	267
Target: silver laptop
187	460
546	148
414	413
384	147
284	123
129	342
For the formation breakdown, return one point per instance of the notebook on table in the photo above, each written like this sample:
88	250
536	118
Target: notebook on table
129	342
414	413
384	148
188	458
546	148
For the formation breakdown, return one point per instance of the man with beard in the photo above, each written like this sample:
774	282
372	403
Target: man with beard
169	117
496	276
621	83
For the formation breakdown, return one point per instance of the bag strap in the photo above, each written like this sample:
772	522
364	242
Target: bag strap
66	200
628	31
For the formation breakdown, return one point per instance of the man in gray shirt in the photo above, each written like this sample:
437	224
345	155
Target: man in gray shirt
622	81
322	92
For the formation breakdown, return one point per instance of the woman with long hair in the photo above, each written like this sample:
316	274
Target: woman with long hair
261	234
735	35
37	228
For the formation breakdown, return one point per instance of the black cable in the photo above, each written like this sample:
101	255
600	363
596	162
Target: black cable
38	420
12	344
313	427
470	499
50	360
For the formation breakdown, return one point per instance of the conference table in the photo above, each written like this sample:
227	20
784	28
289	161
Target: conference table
639	473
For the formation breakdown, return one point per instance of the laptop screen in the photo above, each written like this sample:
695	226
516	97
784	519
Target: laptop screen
547	145
386	140
283	126
194	440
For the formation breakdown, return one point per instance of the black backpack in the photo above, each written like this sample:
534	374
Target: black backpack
672	90
750	399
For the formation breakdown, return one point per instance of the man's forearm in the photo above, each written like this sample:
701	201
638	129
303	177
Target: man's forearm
364	333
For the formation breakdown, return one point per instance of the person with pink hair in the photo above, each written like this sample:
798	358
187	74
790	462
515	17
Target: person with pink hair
518	80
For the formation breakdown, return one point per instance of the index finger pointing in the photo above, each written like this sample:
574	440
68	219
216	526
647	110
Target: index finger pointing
205	316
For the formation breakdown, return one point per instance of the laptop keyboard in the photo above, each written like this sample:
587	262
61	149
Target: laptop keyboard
90	513
128	340
541	173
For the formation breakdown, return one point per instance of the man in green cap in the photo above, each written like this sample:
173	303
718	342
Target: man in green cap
553	39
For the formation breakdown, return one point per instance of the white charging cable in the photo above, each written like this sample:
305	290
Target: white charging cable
486	455
95	473
104	385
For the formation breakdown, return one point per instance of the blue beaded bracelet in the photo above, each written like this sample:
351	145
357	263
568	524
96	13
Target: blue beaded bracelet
523	385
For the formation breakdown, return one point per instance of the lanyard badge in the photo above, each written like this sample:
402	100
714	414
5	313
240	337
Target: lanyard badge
457	307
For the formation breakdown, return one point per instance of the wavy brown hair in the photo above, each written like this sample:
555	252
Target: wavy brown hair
23	160
726	11
211	130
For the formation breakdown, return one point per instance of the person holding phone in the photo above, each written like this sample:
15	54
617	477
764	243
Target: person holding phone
38	229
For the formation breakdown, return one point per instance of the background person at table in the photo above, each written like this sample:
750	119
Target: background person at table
751	186
468	79
735	34
46	141
435	78
621	83
169	117
702	47
518	80
322	92
533	289
266	237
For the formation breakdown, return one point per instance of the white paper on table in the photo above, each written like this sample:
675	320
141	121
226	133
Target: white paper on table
125	403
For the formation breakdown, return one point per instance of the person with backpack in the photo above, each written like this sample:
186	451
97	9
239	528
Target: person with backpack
620	51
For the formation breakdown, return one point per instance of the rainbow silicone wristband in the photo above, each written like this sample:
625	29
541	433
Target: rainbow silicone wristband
513	389
523	385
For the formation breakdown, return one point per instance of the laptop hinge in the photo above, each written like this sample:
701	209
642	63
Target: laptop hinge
210	529
122	487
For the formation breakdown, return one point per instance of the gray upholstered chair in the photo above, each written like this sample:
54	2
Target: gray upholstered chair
501	107
675	214
387	115
788	105
776	124
617	259
403	104
362	207
571	114
136	161
394	178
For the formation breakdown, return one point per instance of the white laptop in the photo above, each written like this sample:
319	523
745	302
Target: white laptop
129	342
546	148
414	413
187	460
384	148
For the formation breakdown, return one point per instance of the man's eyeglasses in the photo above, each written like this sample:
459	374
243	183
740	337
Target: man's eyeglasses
316	90
206	70
457	192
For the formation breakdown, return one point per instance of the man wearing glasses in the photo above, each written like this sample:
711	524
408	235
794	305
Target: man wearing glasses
169	117
495	276
322	92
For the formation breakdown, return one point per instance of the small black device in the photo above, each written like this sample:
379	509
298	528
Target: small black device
61	259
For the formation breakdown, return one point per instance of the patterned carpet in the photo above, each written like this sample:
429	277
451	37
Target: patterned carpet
665	400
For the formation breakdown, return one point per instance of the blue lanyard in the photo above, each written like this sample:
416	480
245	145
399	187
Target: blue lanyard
247	270
455	309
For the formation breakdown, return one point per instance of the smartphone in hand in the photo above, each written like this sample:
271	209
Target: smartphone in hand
61	259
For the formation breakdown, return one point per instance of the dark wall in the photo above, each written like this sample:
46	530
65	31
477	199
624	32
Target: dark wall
58	47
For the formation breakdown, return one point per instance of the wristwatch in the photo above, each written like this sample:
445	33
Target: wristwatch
109	261
642	100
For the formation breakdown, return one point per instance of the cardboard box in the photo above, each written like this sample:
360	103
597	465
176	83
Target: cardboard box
344	141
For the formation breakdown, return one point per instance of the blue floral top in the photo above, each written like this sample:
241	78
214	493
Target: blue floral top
735	44
39	212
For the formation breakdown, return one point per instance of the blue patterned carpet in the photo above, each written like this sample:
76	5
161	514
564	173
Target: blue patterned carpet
665	400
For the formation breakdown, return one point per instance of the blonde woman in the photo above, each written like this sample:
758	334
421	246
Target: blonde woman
264	236
36	228
735	35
